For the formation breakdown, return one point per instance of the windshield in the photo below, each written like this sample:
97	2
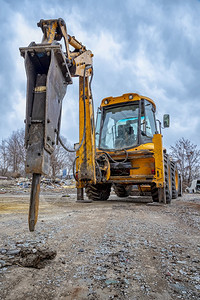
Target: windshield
120	127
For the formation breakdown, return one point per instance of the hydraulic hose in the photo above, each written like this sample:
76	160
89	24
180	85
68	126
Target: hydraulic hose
115	161
74	163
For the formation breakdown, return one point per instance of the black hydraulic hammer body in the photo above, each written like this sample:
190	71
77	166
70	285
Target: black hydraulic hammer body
47	79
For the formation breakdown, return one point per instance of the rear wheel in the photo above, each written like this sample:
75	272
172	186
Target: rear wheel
175	180
154	193
98	192
180	189
168	179
122	190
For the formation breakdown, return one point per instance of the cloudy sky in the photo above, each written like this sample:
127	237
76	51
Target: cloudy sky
146	46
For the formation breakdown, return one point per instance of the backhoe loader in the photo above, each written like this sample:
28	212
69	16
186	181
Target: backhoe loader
123	149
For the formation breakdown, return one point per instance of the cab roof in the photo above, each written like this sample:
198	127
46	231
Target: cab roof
125	98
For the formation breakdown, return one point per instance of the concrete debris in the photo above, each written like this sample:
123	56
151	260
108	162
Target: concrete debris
24	184
27	257
195	187
3	178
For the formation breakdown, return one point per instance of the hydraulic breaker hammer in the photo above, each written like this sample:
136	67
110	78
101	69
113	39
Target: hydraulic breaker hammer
47	78
49	70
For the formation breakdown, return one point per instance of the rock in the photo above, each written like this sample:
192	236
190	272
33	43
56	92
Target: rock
126	281
168	274
196	260
182	272
81	250
3	251
13	252
181	262
2	263
97	277
197	286
20	245
111	281
61	259
178	288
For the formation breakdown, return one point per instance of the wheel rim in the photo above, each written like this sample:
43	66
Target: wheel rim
176	179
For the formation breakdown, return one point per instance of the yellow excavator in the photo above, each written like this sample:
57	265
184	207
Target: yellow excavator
124	147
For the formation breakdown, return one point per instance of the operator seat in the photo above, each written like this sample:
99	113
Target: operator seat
130	138
120	137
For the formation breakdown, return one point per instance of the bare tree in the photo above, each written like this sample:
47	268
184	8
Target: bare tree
70	161
61	159
16	151
13	156
187	157
4	164
57	161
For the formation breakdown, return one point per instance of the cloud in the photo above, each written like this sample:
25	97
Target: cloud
150	47
16	116
13	77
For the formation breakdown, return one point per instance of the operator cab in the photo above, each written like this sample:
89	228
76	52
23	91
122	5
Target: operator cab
125	122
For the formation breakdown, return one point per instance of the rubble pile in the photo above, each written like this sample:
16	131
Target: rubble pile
24	185
31	257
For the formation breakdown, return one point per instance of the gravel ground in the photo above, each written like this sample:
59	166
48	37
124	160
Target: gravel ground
118	249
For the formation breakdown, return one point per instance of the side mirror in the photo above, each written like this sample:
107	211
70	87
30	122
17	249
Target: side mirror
166	121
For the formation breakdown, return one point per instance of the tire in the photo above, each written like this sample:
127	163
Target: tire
175	180
154	193
98	192
122	190
180	189
168	179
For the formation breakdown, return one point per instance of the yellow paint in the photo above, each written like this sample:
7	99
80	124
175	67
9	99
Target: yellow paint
176	179
86	160
144	165
159	160
125	98
51	32
40	89
144	188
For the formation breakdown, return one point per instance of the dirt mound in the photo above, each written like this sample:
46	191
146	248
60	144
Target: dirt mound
36	257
